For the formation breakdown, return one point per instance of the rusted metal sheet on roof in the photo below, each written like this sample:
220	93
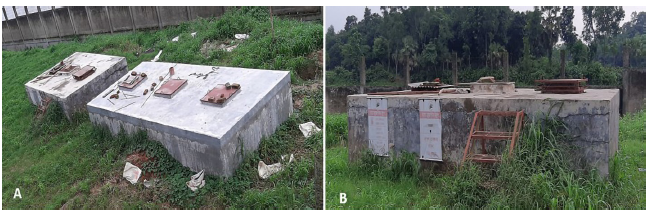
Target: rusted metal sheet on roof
221	94
170	88
84	73
561	86
406	92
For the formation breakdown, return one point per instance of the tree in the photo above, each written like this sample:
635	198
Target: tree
381	49
551	25
408	55
350	22
567	27
601	21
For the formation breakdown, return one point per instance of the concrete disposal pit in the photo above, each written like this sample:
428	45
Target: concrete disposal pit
74	81
591	118
184	117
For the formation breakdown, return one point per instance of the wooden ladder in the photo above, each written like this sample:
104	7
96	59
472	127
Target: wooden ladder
479	133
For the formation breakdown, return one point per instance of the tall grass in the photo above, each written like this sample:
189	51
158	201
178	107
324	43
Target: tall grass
542	174
336	128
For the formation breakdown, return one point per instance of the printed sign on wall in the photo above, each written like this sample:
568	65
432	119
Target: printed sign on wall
430	129
378	126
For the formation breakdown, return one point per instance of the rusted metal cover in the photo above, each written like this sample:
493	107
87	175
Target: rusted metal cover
561	86
220	94
170	88
131	82
84	73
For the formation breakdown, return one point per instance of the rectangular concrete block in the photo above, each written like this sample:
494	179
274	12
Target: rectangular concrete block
73	95
591	118
493	88
200	135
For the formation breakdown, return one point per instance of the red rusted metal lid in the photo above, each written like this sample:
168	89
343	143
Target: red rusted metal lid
83	73
171	86
220	94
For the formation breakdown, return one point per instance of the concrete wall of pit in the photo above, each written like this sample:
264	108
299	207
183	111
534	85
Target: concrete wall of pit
592	122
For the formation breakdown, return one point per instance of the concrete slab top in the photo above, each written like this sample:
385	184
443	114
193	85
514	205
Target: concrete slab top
184	110
64	85
590	94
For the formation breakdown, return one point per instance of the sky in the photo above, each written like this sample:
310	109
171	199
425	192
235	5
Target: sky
335	16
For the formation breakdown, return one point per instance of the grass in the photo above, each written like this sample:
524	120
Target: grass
58	163
539	176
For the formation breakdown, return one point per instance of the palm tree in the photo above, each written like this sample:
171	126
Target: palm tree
409	55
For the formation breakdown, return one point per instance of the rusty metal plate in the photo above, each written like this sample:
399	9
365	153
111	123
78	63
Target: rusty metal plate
170	88
561	86
84	73
220	94
131	81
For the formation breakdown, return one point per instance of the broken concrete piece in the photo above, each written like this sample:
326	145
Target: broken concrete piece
131	173
265	171
487	79
454	91
308	129
241	36
157	57
197	181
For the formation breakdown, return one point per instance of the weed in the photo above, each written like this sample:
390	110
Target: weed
336	127
538	176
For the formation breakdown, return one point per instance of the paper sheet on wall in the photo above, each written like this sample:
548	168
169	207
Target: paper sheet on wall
430	129
378	126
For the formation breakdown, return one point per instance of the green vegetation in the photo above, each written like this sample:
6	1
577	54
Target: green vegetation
539	176
422	40
75	165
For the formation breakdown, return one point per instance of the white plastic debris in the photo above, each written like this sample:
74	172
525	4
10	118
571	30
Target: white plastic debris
642	169
157	57
264	170
242	36
193	34
197	181
291	158
230	48
175	39
309	129
131	173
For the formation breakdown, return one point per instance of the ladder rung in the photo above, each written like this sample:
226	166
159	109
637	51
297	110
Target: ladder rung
489	135
485	158
497	113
